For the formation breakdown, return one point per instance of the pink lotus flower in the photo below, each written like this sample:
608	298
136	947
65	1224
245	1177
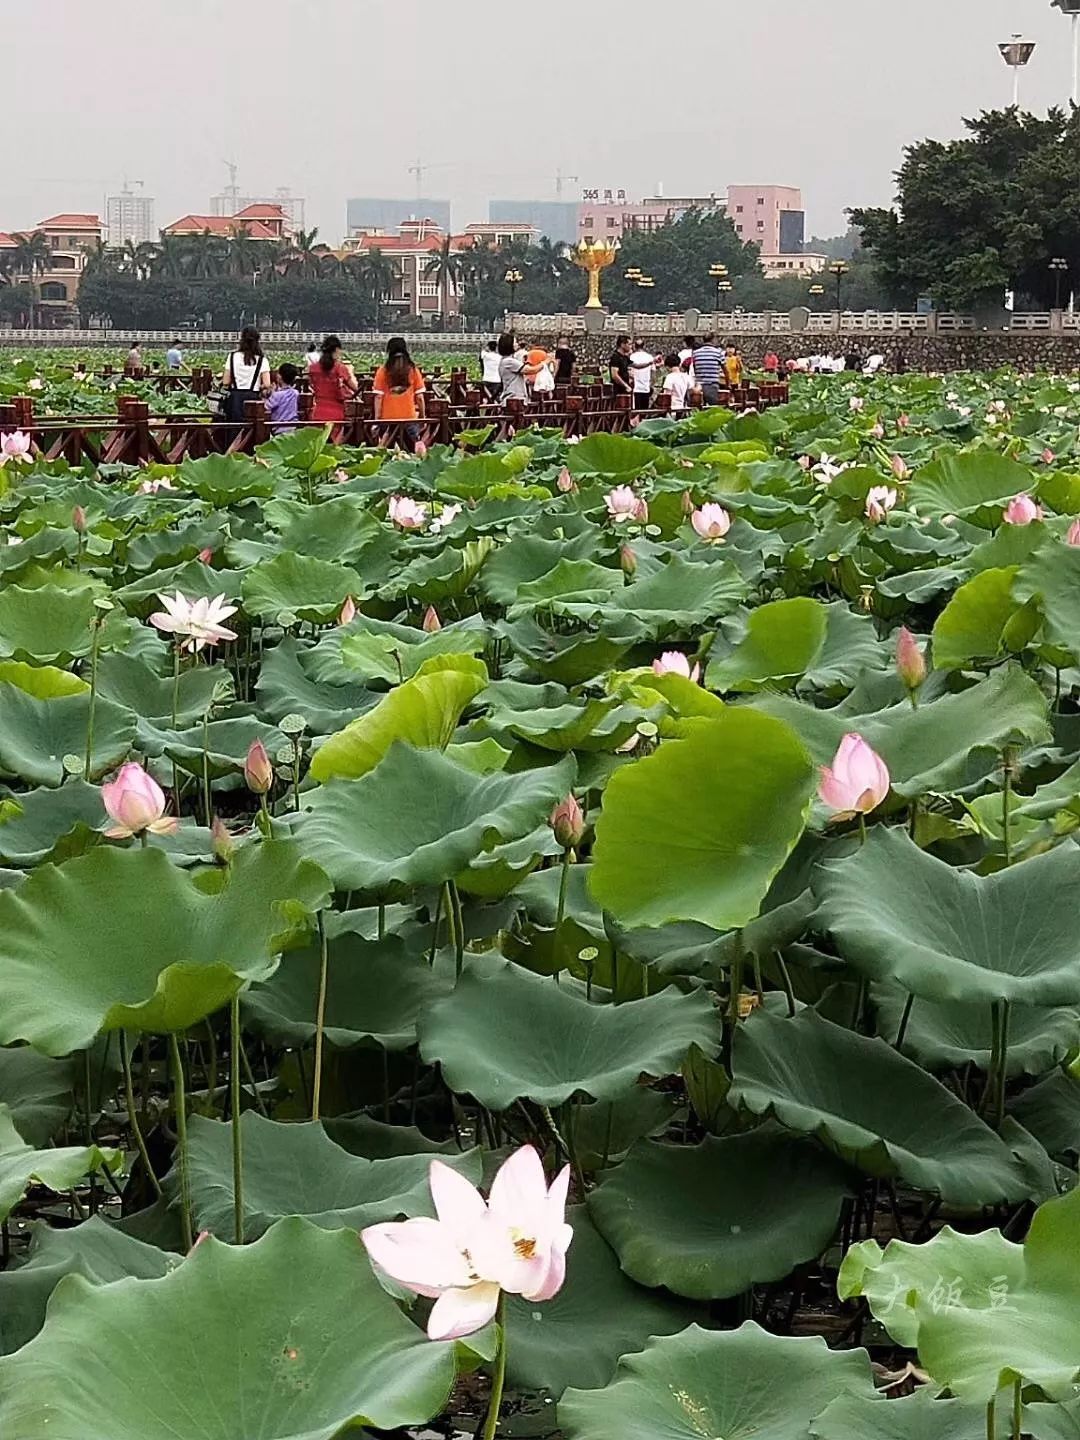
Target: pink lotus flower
78	520
902	422
856	403
197	621
674	662
857	781
405	513
258	772
623	505
878	431
15	446
1072	536
1021	510
136	802
431	622
627	560
879	501
515	1241
348	611
1047	456
805	462
565	481
711	522
206	555
898	466
568	822
910	661
446	516
420	450
151	487
342	476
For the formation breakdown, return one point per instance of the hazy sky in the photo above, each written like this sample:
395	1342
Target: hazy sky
339	99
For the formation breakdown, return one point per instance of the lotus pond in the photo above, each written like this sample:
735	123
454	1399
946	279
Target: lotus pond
573	937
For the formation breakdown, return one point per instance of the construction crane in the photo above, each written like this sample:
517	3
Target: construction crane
561	180
420	169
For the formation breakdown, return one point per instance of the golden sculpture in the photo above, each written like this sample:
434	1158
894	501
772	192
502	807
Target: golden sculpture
594	256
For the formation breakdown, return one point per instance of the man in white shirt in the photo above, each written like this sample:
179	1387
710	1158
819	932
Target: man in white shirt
643	363
677	384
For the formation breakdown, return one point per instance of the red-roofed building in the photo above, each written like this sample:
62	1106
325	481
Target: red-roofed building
71	239
410	250
224	226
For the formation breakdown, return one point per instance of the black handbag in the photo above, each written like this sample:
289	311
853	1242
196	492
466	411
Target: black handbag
232	403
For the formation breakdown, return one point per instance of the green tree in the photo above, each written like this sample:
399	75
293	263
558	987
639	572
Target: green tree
446	268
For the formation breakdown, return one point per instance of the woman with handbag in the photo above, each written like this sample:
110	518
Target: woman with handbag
332	383
246	376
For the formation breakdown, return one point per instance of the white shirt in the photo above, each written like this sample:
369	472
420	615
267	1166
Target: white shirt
243	373
489	359
642	379
677	385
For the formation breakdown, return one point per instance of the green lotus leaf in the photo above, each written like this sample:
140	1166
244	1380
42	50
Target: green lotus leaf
53	824
44	682
435	579
920	1416
604	1131
851	649
597	1317
226	479
121	938
292	1338
507	1034
193	579
711	1220
37	1092
57	1168
698	830
1006	936
959	484
526	558
132	682
376	989
889	1118
423	712
678	598
419	818
332	530
494	873
299	584
701	1384
1053	1422
972	627
783	640
292	1169
621	455
375	650
1051	576
595	725
567	659
285	687
35	735
222	745
378	1140
51	625
581	581
1051	1112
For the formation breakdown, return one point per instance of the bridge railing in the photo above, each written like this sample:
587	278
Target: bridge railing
818	322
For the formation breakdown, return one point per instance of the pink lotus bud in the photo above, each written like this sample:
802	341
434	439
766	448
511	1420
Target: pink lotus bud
1021	510
348	611
628	560
910	661
568	822
674	662
1047	456
805	462
220	840
1073	535
78	520
902	422
136	802
878	431
899	468
420	450
431	622
206	555
857	781
711	522
565	481
258	772
879	501
687	503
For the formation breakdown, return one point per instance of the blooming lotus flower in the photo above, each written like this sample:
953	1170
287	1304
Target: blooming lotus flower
515	1241
1047	456
674	662
805	462
623	505
857	781
1073	535
36	383
405	513
999	406
711	522
991	419
258	772
568	822
348	611
137	803
910	661
964	411
879	501
902	422
342	476
1021	510
197	621
898	466
827	468
446	516
431	622
565	481
15	446
878	431
856	403
151	487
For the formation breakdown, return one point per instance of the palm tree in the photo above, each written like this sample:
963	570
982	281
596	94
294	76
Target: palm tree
138	260
207	255
373	270
171	259
243	255
304	256
446	268
32	254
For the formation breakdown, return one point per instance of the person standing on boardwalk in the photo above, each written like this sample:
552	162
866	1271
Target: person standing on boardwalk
332	383
708	362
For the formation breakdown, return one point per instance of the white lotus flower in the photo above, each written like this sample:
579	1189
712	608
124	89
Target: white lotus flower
197	621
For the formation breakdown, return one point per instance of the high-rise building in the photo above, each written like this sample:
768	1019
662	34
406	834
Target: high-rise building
232	202
386	217
129	216
557	219
769	215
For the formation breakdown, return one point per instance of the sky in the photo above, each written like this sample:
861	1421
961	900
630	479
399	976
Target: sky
339	100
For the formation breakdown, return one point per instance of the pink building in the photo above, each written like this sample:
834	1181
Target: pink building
770	215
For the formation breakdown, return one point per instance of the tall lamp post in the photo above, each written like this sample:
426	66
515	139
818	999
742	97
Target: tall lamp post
1058	267
719	274
513	278
1072	9
1016	53
839	268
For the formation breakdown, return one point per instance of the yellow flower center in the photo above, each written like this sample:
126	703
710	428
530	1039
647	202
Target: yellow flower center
525	1249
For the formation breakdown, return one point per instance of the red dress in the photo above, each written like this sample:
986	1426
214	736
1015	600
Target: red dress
329	387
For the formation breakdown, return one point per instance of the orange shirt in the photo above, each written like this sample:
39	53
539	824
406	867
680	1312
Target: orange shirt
398	404
535	358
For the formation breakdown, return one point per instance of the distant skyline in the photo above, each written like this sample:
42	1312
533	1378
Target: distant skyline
340	103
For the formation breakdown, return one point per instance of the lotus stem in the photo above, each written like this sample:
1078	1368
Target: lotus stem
234	1100
785	980
381	924
95	641
320	1017
133	1114
175	685
991	1431
180	1101
88	1126
207	810
456	916
862	828
1018	1408
498	1379
1006	797
1003	1059
904	1022
563	881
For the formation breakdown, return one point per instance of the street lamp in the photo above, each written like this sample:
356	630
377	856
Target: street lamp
1072	9
719	274
1016	53
513	278
840	268
1058	267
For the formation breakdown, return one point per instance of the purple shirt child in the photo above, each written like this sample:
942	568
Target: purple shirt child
283	409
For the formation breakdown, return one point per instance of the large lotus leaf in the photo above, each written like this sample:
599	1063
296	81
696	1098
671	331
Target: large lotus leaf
285	687
1007	936
920	1416
392	653
132	682
567	659
604	1131
160	549
57	1169
300	585
851	648
597	1317
973	625
43	818
949	742
194	579
298	1170
1053	576
292	1338
1053	1422
957	484
888	1117
226	479
121	938
378	1140
740	1384
783	640
698	830
95	1249
333	530
946	1034
594	725
375	991
52	624
1051	1112
35	735
494	873
507	1035
711	1220
45	682
677	598
622	455
423	712
36	1090
419	818
527	557
221	745
582	582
